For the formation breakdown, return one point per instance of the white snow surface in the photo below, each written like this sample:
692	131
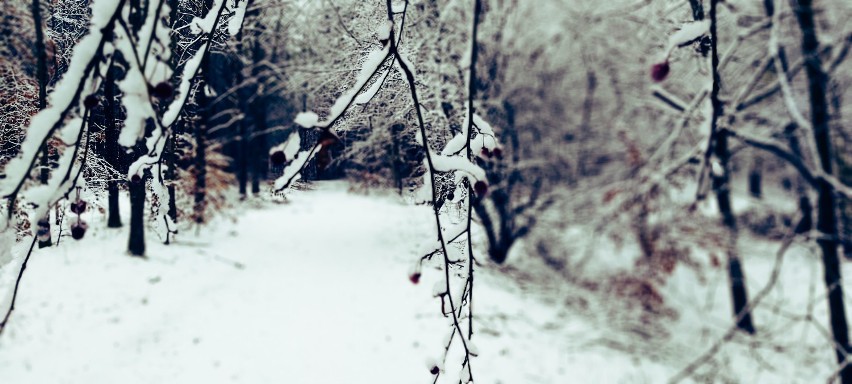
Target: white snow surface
313	291
316	290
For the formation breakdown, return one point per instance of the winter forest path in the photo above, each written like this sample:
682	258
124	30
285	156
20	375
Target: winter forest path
313	291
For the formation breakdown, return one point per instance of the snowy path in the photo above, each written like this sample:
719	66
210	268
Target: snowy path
320	295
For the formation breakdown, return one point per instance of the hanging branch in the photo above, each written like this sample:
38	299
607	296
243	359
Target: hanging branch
471	90
67	183
43	125
368	83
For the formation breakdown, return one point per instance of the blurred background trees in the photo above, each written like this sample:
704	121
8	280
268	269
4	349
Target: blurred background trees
588	138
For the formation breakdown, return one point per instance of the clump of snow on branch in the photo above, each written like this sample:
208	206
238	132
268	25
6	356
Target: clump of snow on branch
306	119
369	67
236	22
688	32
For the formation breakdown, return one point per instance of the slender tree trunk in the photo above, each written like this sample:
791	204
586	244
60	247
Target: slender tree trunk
43	231
258	107
200	134
111	149
200	154
805	206
170	155
826	204
721	188
258	160
136	244
755	179
242	163
170	176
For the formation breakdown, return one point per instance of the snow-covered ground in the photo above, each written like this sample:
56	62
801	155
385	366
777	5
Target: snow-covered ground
313	291
316	291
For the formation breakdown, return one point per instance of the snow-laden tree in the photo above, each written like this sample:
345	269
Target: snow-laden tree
137	35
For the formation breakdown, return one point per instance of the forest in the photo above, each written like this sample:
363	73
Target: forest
435	191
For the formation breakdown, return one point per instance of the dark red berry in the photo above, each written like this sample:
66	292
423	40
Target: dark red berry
480	187
434	370
78	230
278	158
163	90
498	153
135	178
485	152
90	101
414	277
660	71
78	206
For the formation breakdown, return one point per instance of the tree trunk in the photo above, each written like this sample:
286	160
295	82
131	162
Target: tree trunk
43	233
136	244
242	164
259	159
721	188
200	134
805	206
755	179
170	175
170	155
826	204
200	154
112	151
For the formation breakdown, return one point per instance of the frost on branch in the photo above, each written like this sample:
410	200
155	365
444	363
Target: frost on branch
688	33
42	125
369	67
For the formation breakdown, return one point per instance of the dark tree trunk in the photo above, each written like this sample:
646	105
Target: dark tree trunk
826	204
44	237
200	133
242	137
755	179
112	151
170	175
805	206
114	217
200	154
721	188
170	155
136	244
258	143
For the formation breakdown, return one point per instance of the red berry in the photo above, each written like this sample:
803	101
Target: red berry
78	207
278	157
90	101
135	178
414	277
78	230
498	153
660	71
480	187
434	370
163	90
485	152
